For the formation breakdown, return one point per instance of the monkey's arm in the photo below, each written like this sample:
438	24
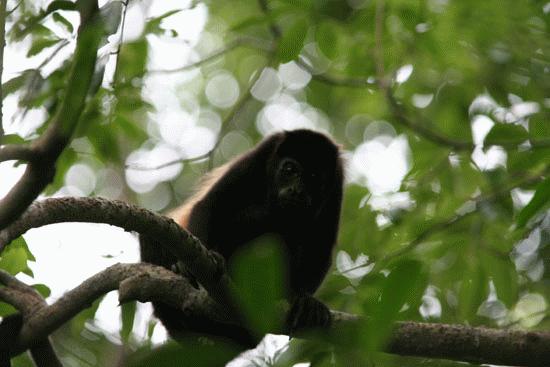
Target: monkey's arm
310	265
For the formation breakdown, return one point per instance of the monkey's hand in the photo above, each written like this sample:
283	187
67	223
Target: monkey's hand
219	260
180	268
307	313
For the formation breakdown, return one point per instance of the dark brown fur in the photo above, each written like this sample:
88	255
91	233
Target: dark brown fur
240	202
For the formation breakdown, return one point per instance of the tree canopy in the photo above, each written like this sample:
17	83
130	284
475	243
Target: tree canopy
442	109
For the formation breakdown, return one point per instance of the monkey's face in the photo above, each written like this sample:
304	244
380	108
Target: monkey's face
291	187
302	172
298	187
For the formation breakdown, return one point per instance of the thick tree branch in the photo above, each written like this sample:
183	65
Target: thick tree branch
202	263
145	282
471	344
150	283
17	152
28	301
40	171
142	282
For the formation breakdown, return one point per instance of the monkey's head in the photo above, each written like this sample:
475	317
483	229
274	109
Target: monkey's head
306	170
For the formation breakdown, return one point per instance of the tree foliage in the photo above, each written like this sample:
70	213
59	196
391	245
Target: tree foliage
442	109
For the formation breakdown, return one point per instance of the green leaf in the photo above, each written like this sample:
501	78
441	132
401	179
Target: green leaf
128	313
66	160
63	21
250	22
16	83
43	289
260	20
292	41
133	58
130	128
111	13
15	257
104	142
153	24
503	274
12	139
78	322
40	44
6	309
327	39
193	351
506	134
258	275
403	285
539	128
539	201
473	291
60	5
399	288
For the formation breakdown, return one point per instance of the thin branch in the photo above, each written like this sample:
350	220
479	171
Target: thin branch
36	78
448	223
441	226
121	38
331	79
273	27
379	48
17	152
428	232
237	108
395	107
58	134
421	129
172	162
9	12
230	117
410	246
401	116
242	41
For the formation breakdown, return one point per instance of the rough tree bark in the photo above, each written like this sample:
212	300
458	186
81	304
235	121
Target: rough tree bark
149	283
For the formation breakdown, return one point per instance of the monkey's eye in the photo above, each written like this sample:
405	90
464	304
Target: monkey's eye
289	167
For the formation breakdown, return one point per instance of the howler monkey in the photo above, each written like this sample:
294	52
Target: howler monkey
290	185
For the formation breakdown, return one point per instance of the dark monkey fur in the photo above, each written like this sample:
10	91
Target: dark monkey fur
290	185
